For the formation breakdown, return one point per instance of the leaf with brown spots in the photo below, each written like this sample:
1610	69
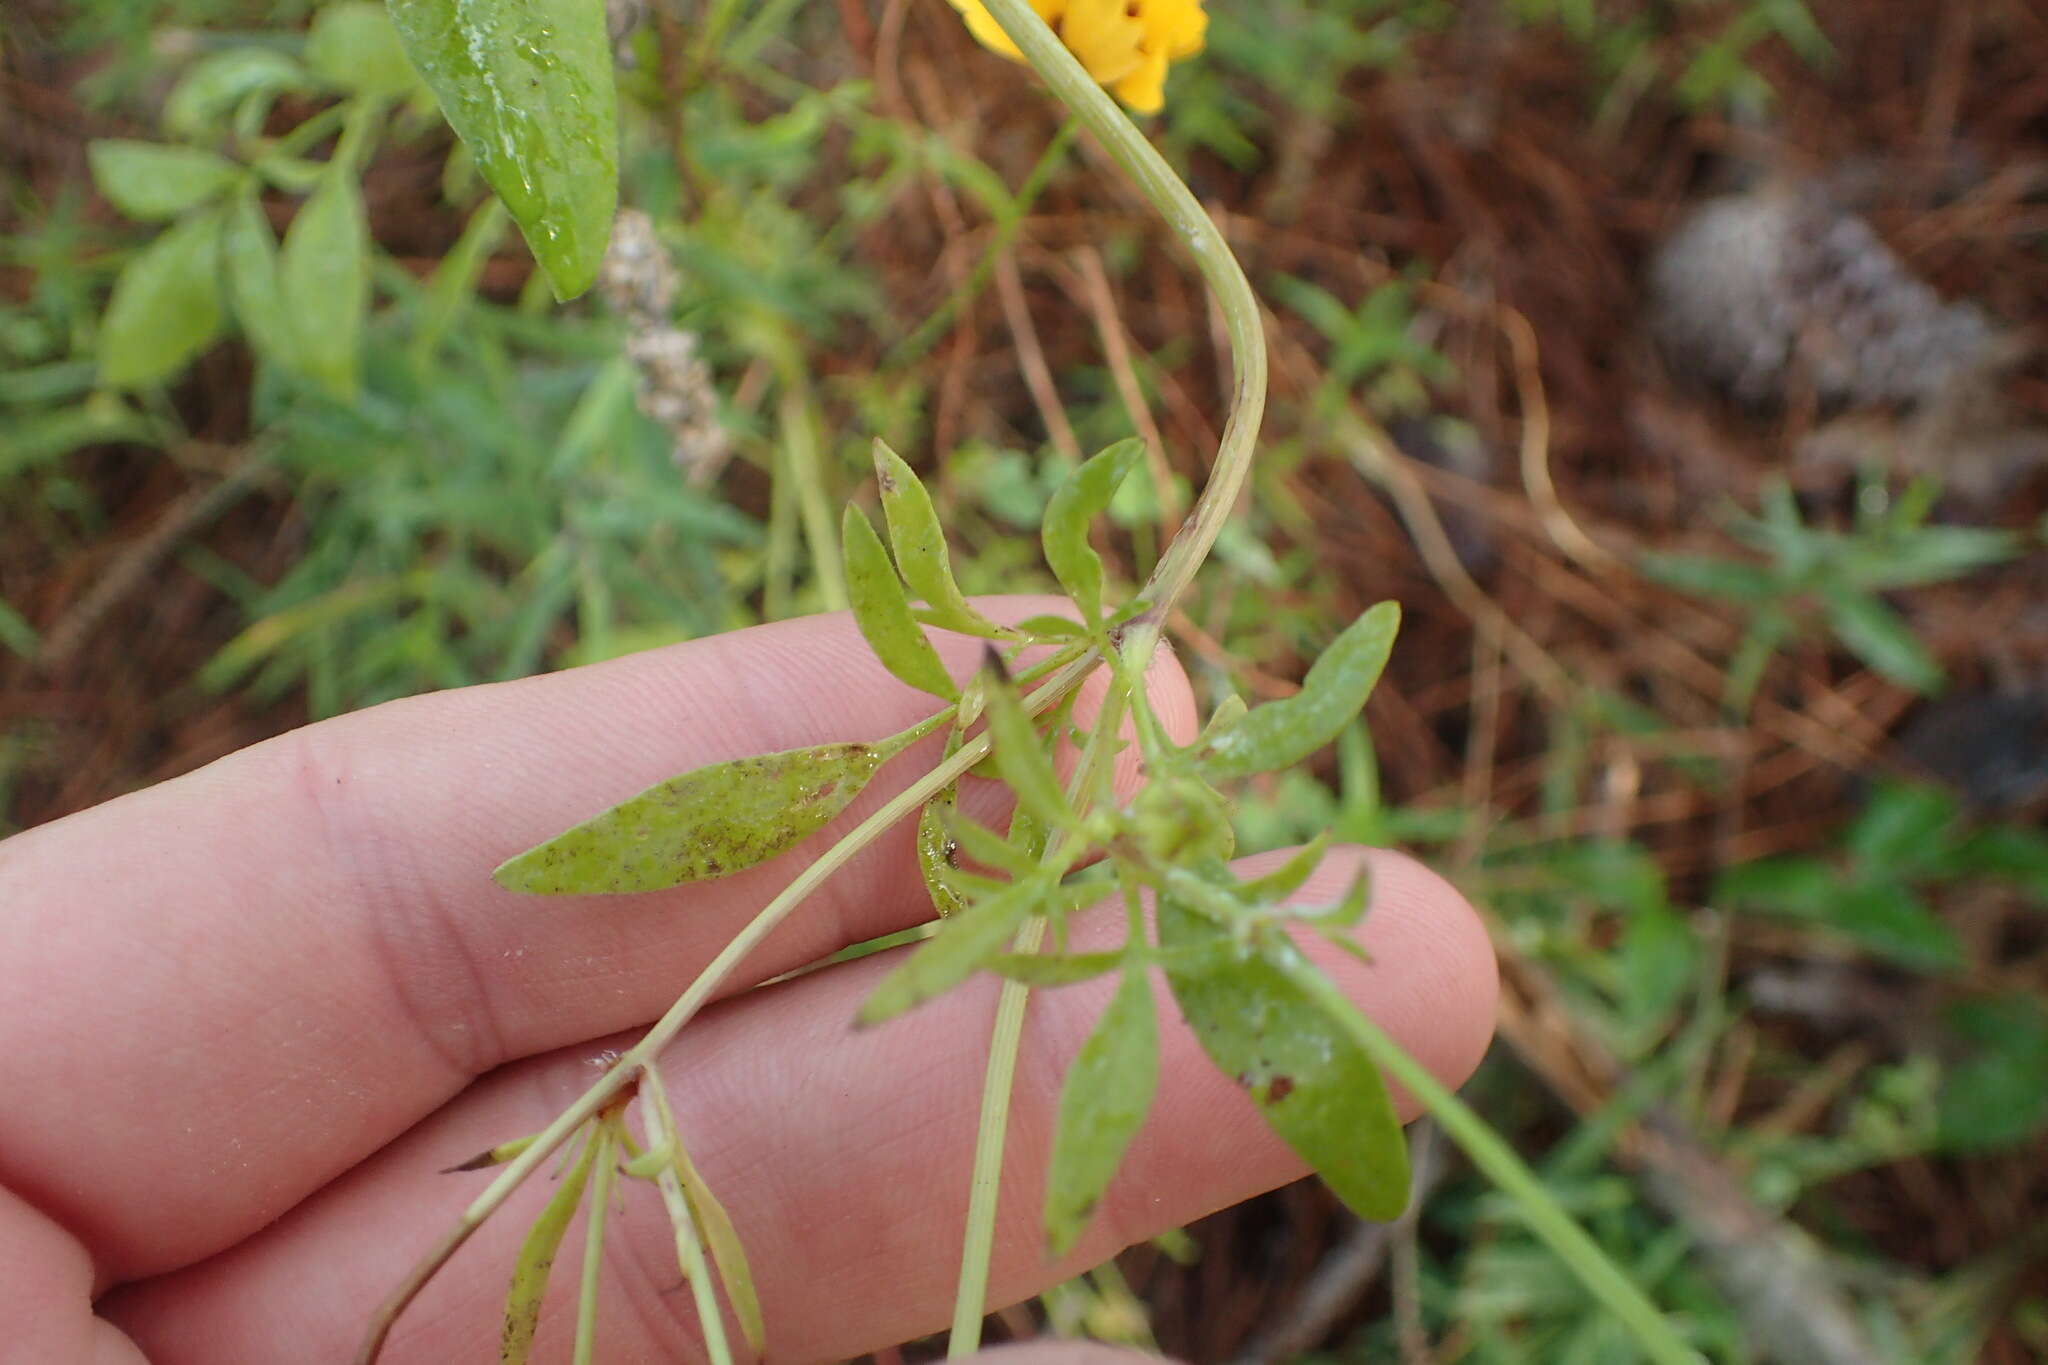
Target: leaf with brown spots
1313	1083
712	822
537	1258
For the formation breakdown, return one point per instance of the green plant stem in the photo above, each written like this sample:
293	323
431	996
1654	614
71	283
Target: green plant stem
803	463
1174	571
642	1054
1499	1164
970	1295
1156	180
601	1178
970	1298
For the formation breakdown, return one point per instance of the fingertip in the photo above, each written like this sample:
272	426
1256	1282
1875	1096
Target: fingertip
1433	981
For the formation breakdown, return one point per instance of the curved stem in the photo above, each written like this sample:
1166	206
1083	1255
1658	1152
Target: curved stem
1220	270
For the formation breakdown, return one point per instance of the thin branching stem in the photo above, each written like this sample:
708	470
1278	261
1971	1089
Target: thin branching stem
643	1053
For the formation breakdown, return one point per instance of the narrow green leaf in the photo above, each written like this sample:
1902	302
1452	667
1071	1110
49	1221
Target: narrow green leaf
165	307
920	546
966	941
454	282
249	255
989	848
1314	1084
324	275
1055	969
714	821
1020	754
1103	1103
220	83
537	1258
528	86
882	610
352	44
1051	627
714	1224
1877	635
153	181
1280	734
1074	507
16	633
1283	881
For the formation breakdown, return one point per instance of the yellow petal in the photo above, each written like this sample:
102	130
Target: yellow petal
1105	36
1175	27
990	34
1144	89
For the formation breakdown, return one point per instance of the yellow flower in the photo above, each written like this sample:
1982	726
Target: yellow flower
1124	44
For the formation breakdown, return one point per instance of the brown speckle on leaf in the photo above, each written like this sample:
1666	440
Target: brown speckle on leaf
1279	1088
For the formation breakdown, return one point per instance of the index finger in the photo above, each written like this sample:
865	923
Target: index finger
250	978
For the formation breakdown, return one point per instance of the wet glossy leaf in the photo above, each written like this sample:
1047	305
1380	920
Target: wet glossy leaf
249	254
711	822
920	545
727	1251
882	611
1280	734
1019	754
1073	509
153	181
537	1258
1314	1084
219	84
1103	1103
166	305
324	273
966	941
352	44
528	86
1055	969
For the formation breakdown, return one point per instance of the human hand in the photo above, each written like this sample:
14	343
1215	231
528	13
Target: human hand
251	1014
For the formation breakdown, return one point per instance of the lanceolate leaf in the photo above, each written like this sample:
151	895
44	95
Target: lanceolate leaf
1050	969
528	85
1074	507
1280	734
248	250
950	956
166	304
883	611
726	1250
1019	753
1315	1086
717	820
537	1258
324	271
1103	1103
920	546
150	180
938	852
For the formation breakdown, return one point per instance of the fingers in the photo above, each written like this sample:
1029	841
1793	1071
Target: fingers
248	979
843	1157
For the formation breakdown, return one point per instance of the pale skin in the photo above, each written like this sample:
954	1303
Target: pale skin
248	1015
